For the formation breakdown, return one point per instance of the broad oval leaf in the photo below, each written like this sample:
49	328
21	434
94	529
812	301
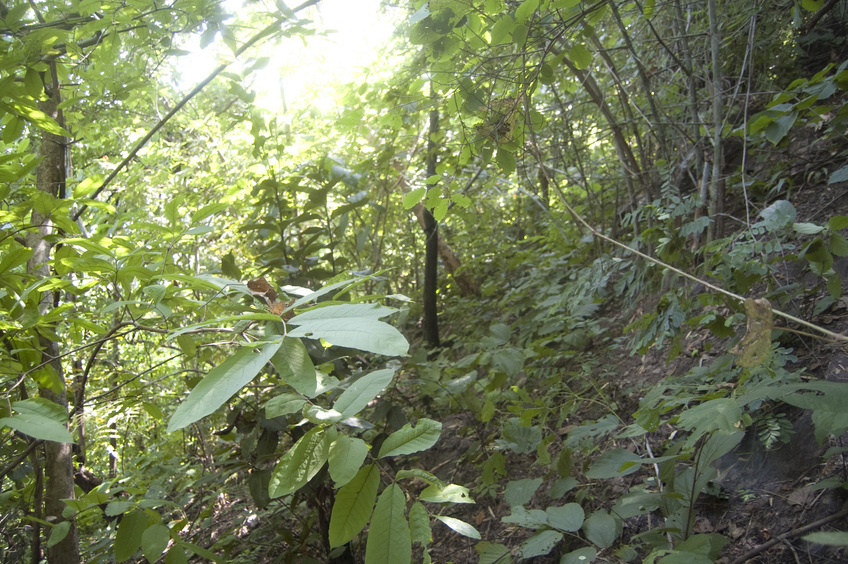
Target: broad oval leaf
130	531
154	541
300	463
568	518
284	404
38	427
346	456
222	383
360	393
359	333
389	539
540	544
408	439
600	529
353	505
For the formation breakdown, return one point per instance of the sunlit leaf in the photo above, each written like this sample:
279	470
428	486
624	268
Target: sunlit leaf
300	464
353	505
222	383
459	526
409	439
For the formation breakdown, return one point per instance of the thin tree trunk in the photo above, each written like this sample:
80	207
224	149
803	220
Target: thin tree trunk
716	204
467	285
58	457
431	236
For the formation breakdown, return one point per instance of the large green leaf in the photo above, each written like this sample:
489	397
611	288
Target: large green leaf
389	539
346	456
540	544
600	528
154	541
408	439
361	392
130	531
222	383
614	463
294	365
40	418
300	463
353	505
569	517
419	524
361	333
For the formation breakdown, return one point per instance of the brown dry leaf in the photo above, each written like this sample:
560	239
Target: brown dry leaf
261	287
277	308
755	346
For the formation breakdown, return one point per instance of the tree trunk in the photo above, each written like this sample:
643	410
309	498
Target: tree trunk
431	248
58	457
716	204
467	285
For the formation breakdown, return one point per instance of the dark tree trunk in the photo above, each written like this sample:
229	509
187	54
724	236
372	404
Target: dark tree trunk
431	252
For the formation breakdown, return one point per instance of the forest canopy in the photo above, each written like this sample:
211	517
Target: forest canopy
548	280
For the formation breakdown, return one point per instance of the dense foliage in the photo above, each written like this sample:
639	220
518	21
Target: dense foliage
219	322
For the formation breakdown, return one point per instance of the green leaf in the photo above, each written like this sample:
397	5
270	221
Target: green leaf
807	228
38	426
502	30
779	214
300	463
353	505
580	56
840	175
836	538
222	383
568	517
540	544
600	529
284	404
355	326
345	458
361	392
812	5
440	210
154	541
408	439
682	557
459	526
413	197
614	463
525	10
461	200
520	492
492	553
583	555
777	129
58	533
505	160
176	555
130	531
449	493
419	524
721	414
530	518
295	367
389	539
